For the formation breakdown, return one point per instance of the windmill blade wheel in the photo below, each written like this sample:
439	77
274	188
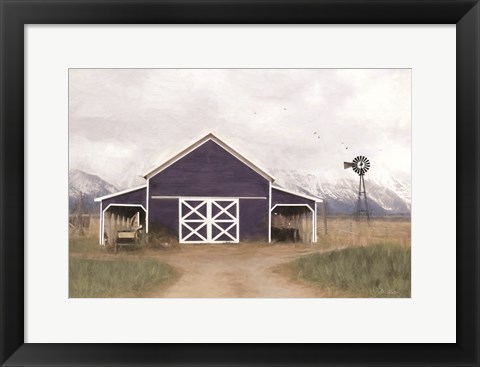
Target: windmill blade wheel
361	165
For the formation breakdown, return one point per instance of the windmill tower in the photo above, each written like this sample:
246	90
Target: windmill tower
360	165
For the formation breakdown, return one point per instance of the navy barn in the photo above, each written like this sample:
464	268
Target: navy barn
209	193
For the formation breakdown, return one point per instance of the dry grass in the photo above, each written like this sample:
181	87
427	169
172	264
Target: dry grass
365	259
342	232
81	245
345	253
345	232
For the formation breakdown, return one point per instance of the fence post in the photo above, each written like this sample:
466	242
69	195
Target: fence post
325	217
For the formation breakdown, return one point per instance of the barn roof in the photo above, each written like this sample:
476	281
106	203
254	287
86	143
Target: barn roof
309	197
210	137
120	193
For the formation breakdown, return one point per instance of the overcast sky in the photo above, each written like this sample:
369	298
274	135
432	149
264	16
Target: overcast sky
124	122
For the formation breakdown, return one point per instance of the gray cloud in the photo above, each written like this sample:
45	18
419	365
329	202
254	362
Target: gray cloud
122	122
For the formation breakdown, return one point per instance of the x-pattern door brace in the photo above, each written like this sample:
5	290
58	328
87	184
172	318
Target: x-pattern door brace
200	212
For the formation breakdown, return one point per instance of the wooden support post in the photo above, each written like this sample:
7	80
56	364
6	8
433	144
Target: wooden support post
325	217
309	218
114	227
116	221
303	226
110	229
107	225
295	225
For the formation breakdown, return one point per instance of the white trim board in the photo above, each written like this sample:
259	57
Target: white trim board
220	143
147	204
306	205
119	193
313	198
126	205
269	212
100	234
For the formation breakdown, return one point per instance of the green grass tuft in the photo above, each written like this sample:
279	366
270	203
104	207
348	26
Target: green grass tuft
95	278
373	271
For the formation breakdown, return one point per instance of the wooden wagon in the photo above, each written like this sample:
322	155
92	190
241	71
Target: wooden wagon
123	231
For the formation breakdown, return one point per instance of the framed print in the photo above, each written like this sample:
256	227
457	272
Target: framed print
239	183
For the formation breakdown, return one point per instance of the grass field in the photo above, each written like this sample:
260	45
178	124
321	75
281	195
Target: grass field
353	259
117	277
346	232
371	271
80	245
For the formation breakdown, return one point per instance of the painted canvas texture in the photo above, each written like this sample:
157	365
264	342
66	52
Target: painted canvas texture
239	183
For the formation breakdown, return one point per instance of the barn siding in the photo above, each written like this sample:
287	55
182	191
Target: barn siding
209	171
137	197
253	220
281	197
163	215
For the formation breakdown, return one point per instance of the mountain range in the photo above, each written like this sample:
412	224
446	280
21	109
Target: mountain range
89	186
387	194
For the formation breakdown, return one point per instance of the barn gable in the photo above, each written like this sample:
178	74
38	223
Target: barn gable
209	170
198	143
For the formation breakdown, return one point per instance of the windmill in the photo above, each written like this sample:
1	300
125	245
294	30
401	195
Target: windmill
360	165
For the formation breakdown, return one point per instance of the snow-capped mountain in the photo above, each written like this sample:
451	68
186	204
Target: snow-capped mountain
386	194
91	186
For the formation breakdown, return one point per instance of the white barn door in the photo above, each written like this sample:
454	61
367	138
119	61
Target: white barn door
208	220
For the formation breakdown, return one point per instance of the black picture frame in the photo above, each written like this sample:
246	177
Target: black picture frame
16	13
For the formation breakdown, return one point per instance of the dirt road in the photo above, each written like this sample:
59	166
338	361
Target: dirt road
233	271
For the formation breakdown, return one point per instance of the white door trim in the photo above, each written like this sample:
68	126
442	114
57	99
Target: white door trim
208	220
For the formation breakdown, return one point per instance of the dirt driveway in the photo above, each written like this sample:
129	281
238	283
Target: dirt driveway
233	271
